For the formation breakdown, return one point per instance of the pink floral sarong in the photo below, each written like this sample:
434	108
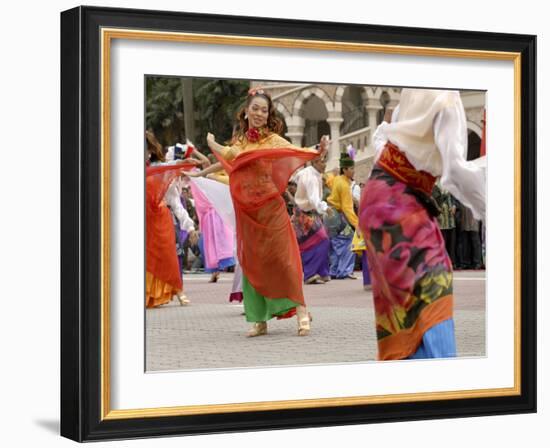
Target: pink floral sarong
410	269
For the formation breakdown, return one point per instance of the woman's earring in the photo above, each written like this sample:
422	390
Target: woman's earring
245	117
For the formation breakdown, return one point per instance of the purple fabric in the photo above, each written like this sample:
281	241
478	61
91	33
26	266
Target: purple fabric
315	260
183	234
351	152
366	274
183	203
315	239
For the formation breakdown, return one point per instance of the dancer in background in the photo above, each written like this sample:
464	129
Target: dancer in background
342	222
163	278
447	220
359	247
308	223
411	271
184	226
216	241
216	189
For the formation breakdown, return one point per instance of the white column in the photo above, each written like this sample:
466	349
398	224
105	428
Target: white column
334	120
295	126
372	112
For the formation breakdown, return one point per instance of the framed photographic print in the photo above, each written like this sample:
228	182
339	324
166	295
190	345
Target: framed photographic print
220	171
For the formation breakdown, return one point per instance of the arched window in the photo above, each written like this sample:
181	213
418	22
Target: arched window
474	146
353	110
285	127
315	115
384	101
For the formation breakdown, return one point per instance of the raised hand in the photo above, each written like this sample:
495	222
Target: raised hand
210	139
192	173
191	161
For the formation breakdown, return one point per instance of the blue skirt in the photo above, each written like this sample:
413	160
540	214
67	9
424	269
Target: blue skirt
341	258
438	342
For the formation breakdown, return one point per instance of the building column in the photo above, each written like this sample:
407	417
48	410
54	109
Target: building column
334	120
372	113
295	126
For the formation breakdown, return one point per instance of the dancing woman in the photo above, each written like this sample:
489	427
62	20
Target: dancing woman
260	162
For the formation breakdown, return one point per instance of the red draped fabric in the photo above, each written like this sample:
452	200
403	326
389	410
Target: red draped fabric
266	243
160	240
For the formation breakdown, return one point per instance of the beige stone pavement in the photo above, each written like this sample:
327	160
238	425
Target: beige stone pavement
210	332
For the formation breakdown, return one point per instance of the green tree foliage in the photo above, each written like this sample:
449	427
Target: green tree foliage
216	103
164	109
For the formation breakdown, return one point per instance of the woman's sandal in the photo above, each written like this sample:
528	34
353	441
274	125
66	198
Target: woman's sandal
183	300
304	325
258	329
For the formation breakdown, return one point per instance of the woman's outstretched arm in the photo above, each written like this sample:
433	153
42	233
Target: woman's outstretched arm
211	169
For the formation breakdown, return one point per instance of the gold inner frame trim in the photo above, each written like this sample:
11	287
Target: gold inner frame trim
107	35
517	222
105	225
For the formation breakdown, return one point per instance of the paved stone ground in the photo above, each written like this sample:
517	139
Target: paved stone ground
210	332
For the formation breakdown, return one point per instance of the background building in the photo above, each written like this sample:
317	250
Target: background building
350	115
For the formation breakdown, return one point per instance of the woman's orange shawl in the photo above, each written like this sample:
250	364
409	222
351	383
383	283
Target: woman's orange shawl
266	243
160	239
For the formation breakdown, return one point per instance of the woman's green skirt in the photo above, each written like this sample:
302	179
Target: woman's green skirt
259	308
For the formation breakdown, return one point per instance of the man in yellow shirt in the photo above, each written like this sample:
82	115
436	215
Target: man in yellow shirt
342	221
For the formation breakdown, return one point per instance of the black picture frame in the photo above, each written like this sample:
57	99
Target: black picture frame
81	217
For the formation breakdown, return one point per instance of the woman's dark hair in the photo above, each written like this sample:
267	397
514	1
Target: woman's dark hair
274	123
154	147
